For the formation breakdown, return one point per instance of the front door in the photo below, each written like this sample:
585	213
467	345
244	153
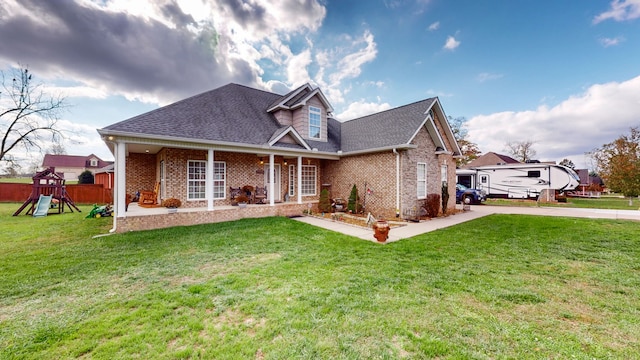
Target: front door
276	184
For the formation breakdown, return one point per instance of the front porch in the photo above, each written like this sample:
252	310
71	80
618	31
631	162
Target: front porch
144	218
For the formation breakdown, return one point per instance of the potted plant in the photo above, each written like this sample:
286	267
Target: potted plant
172	204
242	201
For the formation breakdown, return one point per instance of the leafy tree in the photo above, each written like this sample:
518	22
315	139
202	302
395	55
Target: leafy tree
27	114
521	150
86	177
470	150
568	163
618	163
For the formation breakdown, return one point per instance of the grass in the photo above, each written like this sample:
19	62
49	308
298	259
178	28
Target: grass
605	202
497	287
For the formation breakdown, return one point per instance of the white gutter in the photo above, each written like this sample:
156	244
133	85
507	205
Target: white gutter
397	181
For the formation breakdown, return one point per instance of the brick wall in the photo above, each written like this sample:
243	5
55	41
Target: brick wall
141	172
185	217
241	169
378	171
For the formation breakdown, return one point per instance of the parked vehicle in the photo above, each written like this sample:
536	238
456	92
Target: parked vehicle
468	196
519	181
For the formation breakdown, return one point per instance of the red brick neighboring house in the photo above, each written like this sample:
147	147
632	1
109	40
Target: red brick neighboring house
71	166
198	148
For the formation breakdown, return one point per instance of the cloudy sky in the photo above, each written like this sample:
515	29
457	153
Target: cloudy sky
565	74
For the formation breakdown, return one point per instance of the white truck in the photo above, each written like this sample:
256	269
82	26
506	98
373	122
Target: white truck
518	181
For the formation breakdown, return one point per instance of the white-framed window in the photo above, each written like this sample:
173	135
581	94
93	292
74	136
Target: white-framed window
196	179
308	181
94	162
292	180
315	116
422	180
443	173
219	179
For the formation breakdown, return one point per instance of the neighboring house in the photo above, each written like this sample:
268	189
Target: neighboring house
71	166
198	148
490	158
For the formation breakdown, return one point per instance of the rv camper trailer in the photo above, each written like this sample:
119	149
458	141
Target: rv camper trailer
519	181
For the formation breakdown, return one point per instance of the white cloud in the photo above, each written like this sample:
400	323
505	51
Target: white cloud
76	91
451	43
342	63
575	126
361	108
435	26
620	10
606	42
297	73
485	76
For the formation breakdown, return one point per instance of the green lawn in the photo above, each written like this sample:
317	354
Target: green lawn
605	202
497	287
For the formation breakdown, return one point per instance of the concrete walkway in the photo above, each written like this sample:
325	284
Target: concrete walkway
478	211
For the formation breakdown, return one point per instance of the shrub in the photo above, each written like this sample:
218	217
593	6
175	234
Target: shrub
86	177
445	196
353	205
171	203
432	205
324	204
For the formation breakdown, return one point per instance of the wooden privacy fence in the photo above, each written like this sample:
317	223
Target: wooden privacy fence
80	194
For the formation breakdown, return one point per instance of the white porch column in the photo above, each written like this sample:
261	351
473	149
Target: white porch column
209	180
299	176
271	180
120	179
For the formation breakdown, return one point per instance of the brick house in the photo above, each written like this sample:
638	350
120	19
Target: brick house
71	166
198	148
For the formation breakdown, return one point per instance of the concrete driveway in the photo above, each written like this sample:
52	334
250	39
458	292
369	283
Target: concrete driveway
477	211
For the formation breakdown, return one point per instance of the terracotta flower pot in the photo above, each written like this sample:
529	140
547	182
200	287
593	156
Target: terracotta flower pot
381	230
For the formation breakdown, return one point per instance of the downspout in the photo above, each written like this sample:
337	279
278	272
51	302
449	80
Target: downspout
397	182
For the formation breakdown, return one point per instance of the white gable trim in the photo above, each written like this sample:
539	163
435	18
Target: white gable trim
315	92
429	124
449	133
295	93
290	131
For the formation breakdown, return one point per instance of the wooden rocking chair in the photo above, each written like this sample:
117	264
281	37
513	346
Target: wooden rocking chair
149	197
260	195
234	193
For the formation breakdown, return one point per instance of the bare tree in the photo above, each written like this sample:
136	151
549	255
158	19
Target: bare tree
568	163
57	148
27	115
521	150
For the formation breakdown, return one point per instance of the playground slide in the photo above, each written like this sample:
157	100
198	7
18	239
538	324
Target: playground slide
42	208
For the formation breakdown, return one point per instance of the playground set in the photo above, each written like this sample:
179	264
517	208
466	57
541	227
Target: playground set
48	192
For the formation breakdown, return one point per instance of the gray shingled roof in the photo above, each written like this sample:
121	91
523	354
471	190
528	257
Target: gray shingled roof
384	129
232	113
238	114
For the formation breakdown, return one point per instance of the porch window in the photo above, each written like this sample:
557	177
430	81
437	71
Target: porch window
308	181
292	180
314	122
422	180
196	179
219	179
